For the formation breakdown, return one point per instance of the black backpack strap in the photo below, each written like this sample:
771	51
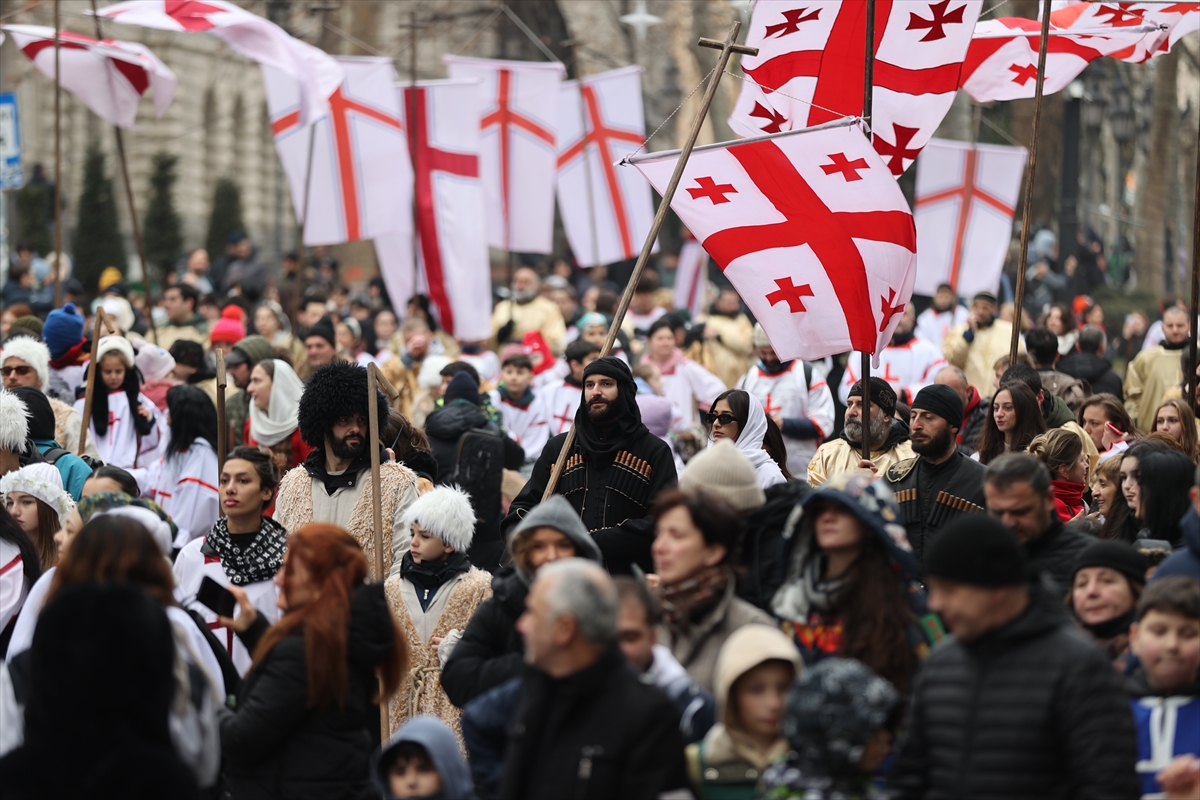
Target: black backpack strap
54	454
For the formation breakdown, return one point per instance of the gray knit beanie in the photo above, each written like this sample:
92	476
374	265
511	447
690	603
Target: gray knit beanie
724	472
558	513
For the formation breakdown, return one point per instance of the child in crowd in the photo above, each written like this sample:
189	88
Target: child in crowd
126	426
527	422
433	592
423	760
1165	690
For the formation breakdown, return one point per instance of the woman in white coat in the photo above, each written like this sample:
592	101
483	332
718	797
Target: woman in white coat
739	416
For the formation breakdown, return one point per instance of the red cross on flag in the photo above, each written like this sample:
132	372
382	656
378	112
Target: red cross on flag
315	72
452	252
810	68
964	214
825	258
606	211
518	154
1001	63
361	183
109	76
1179	20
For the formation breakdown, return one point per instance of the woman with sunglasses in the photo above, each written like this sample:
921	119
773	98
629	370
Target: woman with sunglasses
739	417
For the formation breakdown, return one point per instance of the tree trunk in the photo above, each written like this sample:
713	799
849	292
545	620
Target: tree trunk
1153	193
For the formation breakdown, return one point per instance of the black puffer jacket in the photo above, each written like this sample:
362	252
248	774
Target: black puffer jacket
1097	371
275	746
1032	710
1053	554
490	651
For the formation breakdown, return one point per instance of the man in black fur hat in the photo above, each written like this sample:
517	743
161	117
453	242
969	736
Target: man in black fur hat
614	470
334	483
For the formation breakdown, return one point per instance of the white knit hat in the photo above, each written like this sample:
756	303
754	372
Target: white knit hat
115	344
154	362
724	472
14	423
44	482
446	513
33	353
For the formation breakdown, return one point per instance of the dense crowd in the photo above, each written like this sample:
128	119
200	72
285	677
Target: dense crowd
664	572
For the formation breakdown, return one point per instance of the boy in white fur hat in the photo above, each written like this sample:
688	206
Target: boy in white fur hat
433	592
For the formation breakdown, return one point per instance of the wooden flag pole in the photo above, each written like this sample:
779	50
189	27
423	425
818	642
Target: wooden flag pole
102	323
376	381
868	102
727	48
1191	376
58	250
222	425
1027	212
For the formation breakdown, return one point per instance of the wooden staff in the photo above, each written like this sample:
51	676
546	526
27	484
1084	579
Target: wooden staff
101	320
868	95
376	381
1191	376
222	426
727	48
1027	213
58	251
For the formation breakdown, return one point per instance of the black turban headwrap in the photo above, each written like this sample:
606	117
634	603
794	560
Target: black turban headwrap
628	416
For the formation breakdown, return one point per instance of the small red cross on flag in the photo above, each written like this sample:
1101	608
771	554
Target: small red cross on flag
791	229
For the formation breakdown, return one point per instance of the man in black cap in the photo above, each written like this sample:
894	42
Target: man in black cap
888	436
320	344
614	470
1017	704
940	483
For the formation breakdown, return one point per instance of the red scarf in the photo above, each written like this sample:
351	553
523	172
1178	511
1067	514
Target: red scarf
972	404
1068	498
72	357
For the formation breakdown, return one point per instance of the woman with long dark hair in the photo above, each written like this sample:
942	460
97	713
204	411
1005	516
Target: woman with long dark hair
1013	423
1176	419
20	567
1116	521
1163	479
184	482
851	587
776	447
1097	413
738	416
303	718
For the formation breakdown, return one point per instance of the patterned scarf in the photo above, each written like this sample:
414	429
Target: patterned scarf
686	602
258	561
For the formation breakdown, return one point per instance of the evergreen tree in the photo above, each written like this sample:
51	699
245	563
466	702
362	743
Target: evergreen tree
226	217
97	242
35	208
163	230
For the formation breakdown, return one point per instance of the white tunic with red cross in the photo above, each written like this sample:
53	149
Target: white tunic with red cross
120	445
185	485
559	401
191	567
907	368
528	426
932	325
788	393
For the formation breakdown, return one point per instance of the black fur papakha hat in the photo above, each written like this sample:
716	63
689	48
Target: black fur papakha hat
335	391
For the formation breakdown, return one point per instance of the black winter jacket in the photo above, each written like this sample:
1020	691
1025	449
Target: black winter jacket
275	746
598	734
1053	554
1032	710
1097	371
490	651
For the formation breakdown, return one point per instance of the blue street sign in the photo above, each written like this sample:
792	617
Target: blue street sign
11	176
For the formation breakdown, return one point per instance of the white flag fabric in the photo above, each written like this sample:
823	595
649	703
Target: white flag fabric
518	154
691	277
453	254
606	211
1176	19
315	72
361	185
964	214
810	68
109	76
810	227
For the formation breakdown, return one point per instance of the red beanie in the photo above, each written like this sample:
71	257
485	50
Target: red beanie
229	327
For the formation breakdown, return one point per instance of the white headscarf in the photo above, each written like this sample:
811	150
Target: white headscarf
750	443
278	422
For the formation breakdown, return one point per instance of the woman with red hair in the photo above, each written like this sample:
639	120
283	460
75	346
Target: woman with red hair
303	723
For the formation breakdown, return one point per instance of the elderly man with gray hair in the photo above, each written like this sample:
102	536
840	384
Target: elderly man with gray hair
584	725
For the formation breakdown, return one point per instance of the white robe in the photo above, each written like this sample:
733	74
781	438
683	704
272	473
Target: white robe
786	393
14	586
528	427
120	445
191	566
690	387
911	367
933	327
559	401
186	486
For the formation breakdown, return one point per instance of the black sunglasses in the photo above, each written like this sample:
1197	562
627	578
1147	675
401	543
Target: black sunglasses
725	419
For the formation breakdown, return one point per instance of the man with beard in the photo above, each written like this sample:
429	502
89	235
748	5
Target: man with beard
527	311
334	482
615	468
907	363
888	436
941	483
945	313
975	346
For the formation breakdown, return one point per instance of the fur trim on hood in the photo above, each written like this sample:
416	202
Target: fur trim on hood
335	391
14	423
33	353
446	513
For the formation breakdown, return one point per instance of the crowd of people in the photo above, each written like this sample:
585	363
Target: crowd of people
682	568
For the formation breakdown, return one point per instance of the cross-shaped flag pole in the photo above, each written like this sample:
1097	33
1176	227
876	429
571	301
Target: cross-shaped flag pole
727	48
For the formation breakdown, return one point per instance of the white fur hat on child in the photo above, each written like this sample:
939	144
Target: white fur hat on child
444	512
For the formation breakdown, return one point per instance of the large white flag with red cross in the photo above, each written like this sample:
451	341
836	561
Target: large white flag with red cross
810	227
109	76
315	72
606	211
1170	21
361	183
966	195
453	268
1001	63
518	152
810	63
